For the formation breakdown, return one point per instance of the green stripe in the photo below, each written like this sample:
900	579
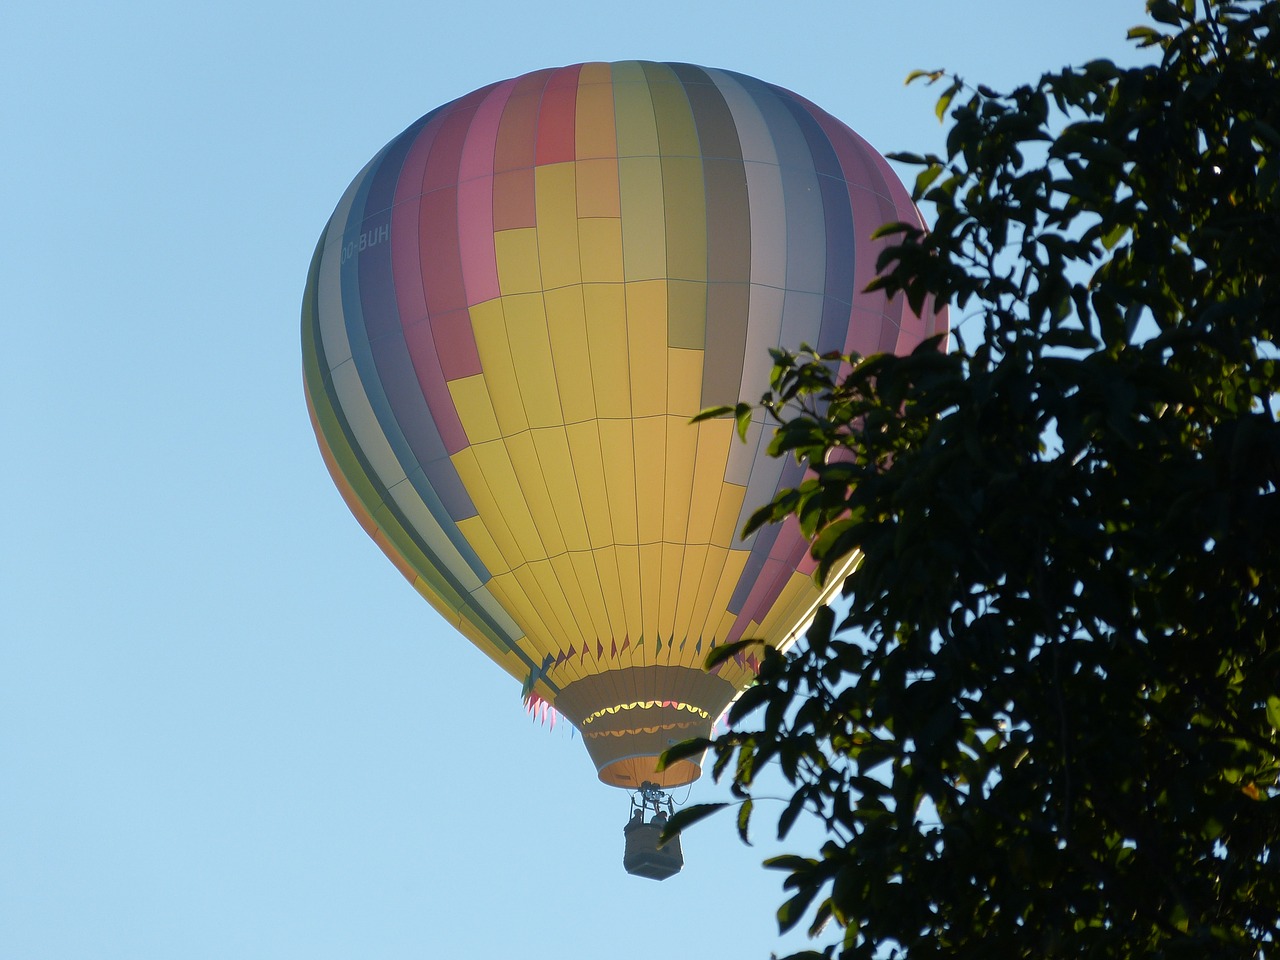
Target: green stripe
684	202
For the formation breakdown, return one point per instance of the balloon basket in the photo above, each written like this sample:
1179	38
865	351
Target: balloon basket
645	855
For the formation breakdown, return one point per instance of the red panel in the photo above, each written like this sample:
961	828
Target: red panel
557	117
787	555
513	200
865	322
518	129
441	262
456	344
442	166
475	198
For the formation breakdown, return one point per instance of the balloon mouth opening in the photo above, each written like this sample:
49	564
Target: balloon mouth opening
630	772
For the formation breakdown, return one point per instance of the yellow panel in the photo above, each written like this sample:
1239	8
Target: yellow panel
722	629
714	439
584	568
507	593
489	512
535	492
570	353
536	579
650	472
708	578
531	356
507	590
647	346
725	528
616	445
684	382
739	677
644	228
588	470
721	621
637	128
629	577
563	486
490	328
650	586
566	671
565	598
605	561
517	252
471	400
795	597
607	337
499	475
595	72
557	205
594	134
682	448
565	575
673	558
482	542
597	186
600	250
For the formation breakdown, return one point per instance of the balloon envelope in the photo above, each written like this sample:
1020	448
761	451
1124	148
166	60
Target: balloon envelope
513	313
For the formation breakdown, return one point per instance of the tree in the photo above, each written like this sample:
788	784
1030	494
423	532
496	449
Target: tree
1044	722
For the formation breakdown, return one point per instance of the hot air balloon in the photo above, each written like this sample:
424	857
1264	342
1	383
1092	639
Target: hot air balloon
510	319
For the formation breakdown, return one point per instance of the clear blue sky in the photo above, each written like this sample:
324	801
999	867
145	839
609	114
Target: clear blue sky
221	733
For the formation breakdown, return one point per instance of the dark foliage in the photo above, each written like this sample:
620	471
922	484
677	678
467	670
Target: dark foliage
1044	722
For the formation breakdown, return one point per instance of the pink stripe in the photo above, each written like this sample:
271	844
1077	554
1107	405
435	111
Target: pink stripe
475	199
438	239
456	344
807	564
914	329
477	152
788	554
790	545
875	197
421	260
406	264
770	582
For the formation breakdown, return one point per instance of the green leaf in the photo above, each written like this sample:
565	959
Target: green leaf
742	414
688	816
789	814
931	76
727	651
944	101
744	820
793	911
1037	722
713	413
685	749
